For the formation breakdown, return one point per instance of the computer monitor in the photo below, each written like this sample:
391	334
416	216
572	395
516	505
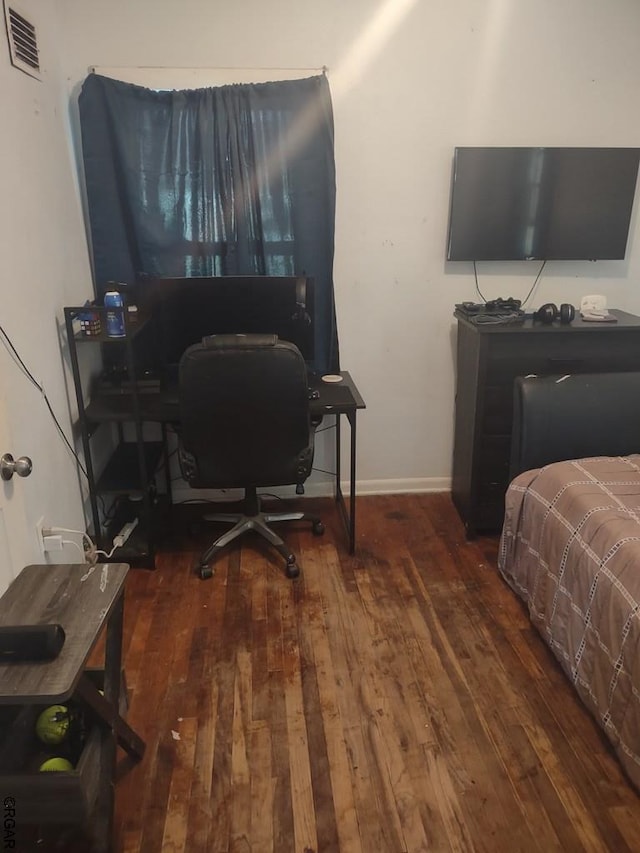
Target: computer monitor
189	309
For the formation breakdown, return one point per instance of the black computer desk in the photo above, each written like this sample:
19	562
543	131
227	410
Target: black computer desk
341	398
335	398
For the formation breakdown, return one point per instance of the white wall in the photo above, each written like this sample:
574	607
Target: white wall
410	79
44	267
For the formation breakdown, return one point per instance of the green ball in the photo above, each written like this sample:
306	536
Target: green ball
58	765
52	726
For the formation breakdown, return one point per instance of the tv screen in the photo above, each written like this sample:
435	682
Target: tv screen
541	203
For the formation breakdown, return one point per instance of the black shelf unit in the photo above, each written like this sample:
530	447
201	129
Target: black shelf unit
131	469
123	473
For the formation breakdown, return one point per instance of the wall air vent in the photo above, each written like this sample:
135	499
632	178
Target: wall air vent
23	45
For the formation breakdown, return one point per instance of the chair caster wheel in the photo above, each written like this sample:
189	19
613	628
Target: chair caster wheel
318	528
292	570
205	572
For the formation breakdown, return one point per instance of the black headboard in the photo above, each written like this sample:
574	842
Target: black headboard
571	417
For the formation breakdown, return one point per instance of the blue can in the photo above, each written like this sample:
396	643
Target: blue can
115	314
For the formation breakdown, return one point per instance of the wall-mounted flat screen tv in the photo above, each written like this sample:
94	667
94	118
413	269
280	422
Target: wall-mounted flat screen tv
541	203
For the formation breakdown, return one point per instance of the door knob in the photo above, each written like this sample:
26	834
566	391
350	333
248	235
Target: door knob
10	466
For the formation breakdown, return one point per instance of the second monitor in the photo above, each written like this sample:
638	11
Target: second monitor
188	309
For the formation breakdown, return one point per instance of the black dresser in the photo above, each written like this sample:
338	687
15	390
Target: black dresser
489	357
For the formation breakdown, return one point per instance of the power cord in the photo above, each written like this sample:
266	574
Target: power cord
524	301
15	355
75	544
324	471
475	275
91	552
17	358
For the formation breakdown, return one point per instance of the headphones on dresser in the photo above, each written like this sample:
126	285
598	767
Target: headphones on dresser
549	313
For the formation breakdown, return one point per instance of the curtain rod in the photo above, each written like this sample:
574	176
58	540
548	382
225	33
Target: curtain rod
95	69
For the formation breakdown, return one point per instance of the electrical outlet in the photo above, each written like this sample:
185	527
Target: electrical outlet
40	525
48	541
53	542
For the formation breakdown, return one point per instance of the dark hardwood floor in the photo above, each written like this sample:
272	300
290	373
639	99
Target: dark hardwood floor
397	700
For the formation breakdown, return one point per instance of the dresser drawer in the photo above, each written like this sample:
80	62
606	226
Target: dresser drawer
489	509
497	413
560	353
494	459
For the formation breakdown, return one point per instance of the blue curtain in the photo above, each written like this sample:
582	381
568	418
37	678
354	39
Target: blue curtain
231	180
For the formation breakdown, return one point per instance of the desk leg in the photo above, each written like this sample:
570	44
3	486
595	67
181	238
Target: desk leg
113	729
102	823
339	497
352	484
167	462
106	707
349	518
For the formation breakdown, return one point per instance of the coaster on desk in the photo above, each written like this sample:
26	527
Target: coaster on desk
332	377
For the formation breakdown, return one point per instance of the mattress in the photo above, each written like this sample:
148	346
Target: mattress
570	549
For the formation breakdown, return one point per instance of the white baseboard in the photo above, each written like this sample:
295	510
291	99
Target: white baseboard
323	489
417	485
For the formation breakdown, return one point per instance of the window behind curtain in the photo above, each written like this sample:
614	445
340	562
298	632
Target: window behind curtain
230	180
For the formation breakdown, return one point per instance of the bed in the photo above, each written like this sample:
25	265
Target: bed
570	544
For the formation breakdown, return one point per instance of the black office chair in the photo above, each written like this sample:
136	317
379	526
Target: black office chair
245	423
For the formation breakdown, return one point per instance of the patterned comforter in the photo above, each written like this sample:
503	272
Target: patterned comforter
570	548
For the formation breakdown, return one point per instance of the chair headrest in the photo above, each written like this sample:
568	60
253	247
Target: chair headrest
230	341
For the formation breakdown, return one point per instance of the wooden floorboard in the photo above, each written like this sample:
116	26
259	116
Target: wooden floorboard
393	701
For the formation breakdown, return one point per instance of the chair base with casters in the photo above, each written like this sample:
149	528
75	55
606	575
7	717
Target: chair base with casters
253	518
